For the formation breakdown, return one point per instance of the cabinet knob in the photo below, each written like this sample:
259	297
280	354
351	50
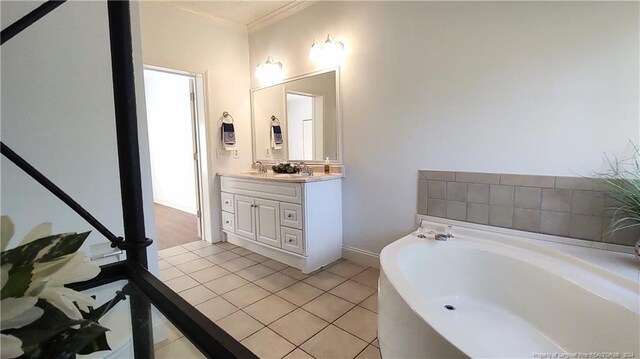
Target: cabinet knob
226	202
290	240
289	215
227	222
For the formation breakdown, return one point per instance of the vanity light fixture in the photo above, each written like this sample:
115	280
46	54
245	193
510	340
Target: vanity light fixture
269	71
328	53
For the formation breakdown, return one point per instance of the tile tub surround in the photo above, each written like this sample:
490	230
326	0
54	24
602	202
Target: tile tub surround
563	206
275	310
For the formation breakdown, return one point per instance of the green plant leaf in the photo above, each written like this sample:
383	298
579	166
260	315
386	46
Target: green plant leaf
55	246
17	282
98	344
79	339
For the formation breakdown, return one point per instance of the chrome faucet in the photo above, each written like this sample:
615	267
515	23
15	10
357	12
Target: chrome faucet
261	168
305	168
448	233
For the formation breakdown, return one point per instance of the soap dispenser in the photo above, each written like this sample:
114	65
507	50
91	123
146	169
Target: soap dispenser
327	166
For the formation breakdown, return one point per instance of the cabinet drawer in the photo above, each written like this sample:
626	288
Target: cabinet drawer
228	221
292	240
227	202
291	215
277	191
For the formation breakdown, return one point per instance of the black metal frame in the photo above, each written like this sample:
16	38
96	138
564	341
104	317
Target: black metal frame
210	339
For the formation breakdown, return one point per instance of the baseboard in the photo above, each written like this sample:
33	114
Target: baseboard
360	256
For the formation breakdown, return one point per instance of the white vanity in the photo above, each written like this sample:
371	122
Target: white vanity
293	219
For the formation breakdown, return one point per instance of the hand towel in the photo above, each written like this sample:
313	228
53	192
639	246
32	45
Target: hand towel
276	137
228	136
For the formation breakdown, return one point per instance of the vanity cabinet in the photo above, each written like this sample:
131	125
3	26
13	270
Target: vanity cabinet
295	222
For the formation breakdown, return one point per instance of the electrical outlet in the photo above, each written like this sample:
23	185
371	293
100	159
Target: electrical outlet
267	152
236	154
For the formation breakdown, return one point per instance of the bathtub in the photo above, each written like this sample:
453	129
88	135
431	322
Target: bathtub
493	293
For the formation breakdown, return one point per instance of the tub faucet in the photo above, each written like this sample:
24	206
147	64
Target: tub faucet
261	168
448	233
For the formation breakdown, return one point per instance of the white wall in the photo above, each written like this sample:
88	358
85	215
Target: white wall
518	87
57	112
170	123
176	39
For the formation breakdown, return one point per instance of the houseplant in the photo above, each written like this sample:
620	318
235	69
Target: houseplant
623	182
40	316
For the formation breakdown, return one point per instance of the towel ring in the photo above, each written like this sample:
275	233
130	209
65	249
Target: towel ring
275	119
226	115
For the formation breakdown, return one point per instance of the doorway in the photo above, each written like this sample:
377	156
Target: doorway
304	126
174	149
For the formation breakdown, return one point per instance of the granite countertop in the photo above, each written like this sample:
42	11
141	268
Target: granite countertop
276	177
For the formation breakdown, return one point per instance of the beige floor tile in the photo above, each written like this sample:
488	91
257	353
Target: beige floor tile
255	272
181	283
170	252
295	273
368	277
182	258
298	354
239	325
324	280
225	245
207	251
370	352
209	274
360	322
163	337
194	265
170	273
269	309
225	284
299	293
376	343
196	245
334	343
241	251
275	282
268	345
162	264
371	303
181	348
197	295
237	264
257	257
328	307
298	326
222	257
245	295
275	265
216	308
352	291
345	269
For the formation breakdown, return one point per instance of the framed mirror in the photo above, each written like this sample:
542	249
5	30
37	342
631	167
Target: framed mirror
298	119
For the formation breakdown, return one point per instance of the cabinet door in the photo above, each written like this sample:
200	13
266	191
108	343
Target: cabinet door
268	222
245	217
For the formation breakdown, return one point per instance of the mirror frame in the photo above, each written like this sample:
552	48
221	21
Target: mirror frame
338	114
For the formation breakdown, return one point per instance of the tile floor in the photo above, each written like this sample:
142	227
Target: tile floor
274	310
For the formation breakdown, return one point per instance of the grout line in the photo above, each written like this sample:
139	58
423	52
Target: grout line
295	305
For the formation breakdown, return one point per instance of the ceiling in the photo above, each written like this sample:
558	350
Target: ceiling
241	12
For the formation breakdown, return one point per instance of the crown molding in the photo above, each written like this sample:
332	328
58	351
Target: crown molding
279	14
208	17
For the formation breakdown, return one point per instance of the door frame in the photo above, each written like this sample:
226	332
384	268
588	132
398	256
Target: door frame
200	143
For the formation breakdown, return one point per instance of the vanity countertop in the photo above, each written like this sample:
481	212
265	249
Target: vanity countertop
270	176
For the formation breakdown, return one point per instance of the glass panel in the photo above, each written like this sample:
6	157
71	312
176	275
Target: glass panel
168	341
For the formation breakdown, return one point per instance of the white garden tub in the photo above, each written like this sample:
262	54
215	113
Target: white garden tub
508	296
